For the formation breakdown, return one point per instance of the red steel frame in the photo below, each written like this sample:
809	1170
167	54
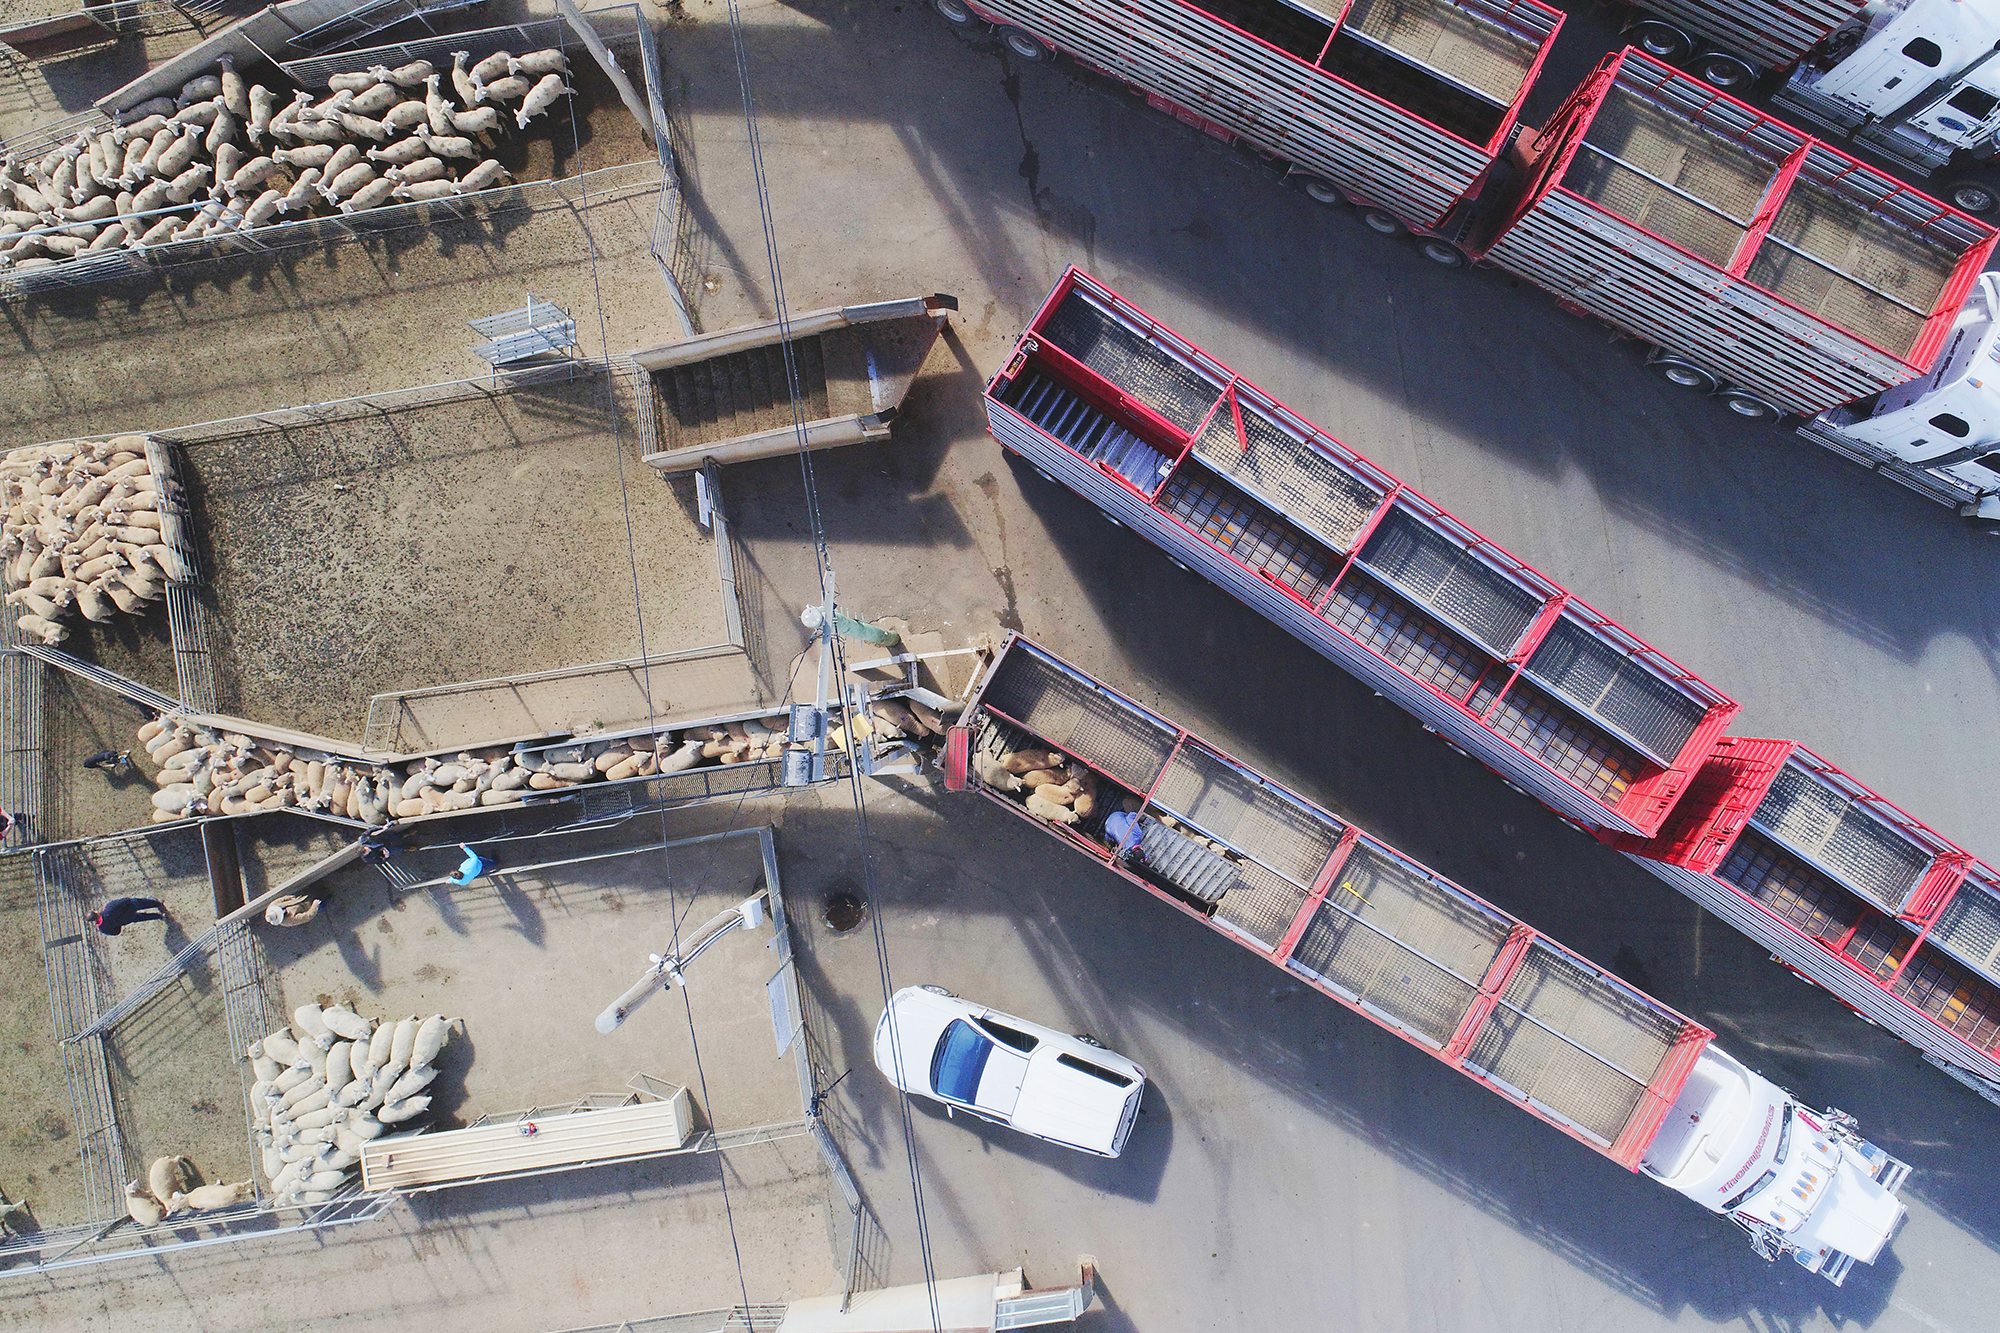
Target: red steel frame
1646	803
1492	148
1661	1089
1728	791
1572	119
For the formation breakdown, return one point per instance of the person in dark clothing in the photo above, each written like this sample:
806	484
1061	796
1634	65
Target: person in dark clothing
110	761
119	913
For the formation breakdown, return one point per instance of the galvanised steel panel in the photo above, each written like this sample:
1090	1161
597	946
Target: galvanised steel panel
1647	288
1278	103
1826	969
1128	508
1772	34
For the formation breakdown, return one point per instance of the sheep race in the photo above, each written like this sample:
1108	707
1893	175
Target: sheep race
225	157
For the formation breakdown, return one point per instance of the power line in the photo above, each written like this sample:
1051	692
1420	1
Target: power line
823	563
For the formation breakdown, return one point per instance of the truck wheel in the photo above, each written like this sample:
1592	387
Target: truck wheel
1442	252
1973	194
1721	70
956	12
1321	190
1025	44
1382	221
1748	405
1661	40
1682	373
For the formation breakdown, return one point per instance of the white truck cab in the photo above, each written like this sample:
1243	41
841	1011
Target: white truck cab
1799	1182
1946	422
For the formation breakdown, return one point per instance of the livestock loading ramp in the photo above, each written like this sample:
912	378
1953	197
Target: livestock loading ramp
1848	891
1558	699
1401	104
1348	914
727	396
1778	265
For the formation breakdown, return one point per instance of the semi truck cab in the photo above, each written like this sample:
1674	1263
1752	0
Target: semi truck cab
1799	1182
1946	422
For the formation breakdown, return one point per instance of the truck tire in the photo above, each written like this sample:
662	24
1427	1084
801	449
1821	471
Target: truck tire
1381	221
1749	406
1442	252
1025	44
1721	70
1682	373
956	12
1320	190
1977	195
1660	40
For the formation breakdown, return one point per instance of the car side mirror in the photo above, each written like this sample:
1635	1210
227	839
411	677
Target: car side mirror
950	1114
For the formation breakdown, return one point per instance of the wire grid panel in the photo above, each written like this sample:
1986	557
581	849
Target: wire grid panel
1970	928
77	986
1261	904
1933	983
1439	573
1788	888
1138	366
1828	828
22	685
1458	42
1227	802
1089	723
1413	908
1611	685
194	669
1254	534
1384	976
1377	616
1288	473
1556	734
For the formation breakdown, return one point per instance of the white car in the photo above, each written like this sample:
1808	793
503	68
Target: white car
1068	1090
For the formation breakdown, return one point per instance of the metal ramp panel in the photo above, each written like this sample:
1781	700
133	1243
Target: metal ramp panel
370	17
502	1149
521	335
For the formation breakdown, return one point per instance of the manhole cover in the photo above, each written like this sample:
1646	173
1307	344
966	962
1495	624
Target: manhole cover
843	912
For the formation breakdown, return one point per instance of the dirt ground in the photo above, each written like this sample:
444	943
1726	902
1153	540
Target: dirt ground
38	1154
80	720
473	539
528	958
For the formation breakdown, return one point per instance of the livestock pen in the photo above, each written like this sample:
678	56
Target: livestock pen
526	958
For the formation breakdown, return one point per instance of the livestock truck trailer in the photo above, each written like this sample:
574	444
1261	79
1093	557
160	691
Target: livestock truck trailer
1512	669
1428	961
1786	277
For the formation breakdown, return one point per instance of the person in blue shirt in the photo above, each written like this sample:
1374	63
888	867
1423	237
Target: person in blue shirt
119	913
472	867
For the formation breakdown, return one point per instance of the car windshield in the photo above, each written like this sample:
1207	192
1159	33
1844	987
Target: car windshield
959	1061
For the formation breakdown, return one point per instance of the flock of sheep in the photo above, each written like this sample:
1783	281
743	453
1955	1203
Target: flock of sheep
175	169
330	1083
207	772
173	1185
81	530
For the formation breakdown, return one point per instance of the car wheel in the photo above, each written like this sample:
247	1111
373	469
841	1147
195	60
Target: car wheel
1682	373
1442	252
1321	190
1721	70
1748	405
1661	40
937	990
1089	1040
1382	221
1973	194
955	12
1025	44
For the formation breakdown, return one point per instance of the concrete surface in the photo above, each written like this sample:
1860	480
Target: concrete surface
1294	1164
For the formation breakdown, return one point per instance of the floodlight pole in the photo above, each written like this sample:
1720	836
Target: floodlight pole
667	969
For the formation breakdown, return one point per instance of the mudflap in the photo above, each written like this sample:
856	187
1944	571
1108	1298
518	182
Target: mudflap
957	758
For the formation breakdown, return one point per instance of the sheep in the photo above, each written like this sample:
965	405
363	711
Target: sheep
541	97
208	1198
227	159
286	116
406	116
141	1206
343	157
265	208
312	155
366	127
262	103
144	128
184	187
508	89
155	106
224	129
400	154
537	63
404	1041
381	1045
411	1083
479	120
360	81
375	100
344	1021
302	191
203	114
199	89
252	174
306	1020
235	96
449	145
491	68
461	79
407	1109
169	1175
